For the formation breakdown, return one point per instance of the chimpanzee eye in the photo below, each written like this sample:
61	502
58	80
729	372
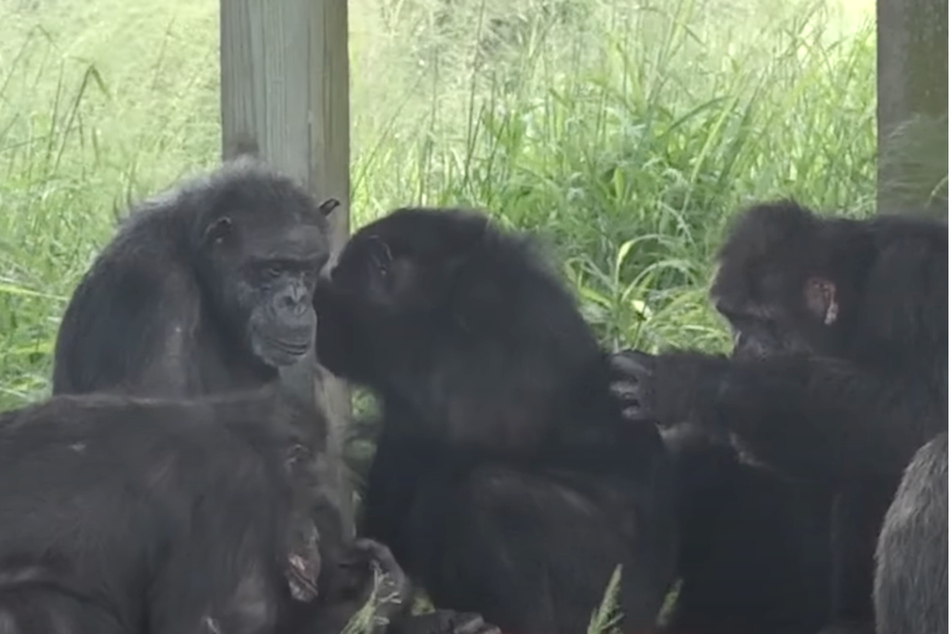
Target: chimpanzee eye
272	271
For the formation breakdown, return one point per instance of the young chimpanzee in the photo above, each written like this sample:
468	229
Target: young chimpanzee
839	372
911	578
126	515
505	479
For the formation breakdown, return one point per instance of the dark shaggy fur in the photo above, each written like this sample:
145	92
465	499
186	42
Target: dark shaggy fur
505	479
840	369
911	580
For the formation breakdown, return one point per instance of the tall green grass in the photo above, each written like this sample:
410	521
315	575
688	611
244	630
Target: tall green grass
625	133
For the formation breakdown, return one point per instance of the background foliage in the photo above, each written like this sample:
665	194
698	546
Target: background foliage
625	132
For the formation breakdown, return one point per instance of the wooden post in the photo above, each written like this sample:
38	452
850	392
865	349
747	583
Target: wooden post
285	98
912	104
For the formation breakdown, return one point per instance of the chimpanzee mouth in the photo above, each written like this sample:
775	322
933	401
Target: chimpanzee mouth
293	348
290	347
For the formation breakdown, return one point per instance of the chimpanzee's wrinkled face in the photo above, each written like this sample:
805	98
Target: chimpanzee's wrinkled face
263	255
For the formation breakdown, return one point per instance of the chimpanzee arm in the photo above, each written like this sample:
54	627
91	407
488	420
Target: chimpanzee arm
810	417
129	328
668	389
824	418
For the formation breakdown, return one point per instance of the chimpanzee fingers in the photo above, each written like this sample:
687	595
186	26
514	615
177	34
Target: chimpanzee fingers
370	550
625	391
634	399
632	383
395	585
633	364
443	622
468	623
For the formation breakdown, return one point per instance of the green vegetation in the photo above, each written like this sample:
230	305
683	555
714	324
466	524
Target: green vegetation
627	133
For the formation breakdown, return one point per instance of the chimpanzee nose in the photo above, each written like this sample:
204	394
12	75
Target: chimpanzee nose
294	298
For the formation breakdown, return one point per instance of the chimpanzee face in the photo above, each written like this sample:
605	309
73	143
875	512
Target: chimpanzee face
262	258
775	286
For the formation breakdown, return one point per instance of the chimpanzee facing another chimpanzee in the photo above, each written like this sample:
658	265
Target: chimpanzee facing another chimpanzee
505	479
839	373
207	288
911	579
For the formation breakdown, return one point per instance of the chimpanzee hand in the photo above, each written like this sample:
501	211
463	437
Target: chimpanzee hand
367	560
358	572
670	388
632	383
442	622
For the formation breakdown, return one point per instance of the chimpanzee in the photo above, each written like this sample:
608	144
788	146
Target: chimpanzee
127	515
206	288
839	371
505	479
911	578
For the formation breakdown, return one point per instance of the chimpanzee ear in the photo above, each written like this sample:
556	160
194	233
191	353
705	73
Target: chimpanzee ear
216	232
820	295
327	207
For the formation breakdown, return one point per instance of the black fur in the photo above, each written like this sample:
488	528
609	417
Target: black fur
505	479
911	581
840	369
753	553
206	288
124	515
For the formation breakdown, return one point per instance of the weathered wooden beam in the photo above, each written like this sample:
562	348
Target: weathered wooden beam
285	98
912	104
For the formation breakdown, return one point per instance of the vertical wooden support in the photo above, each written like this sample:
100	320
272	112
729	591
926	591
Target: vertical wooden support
912	104
285	98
